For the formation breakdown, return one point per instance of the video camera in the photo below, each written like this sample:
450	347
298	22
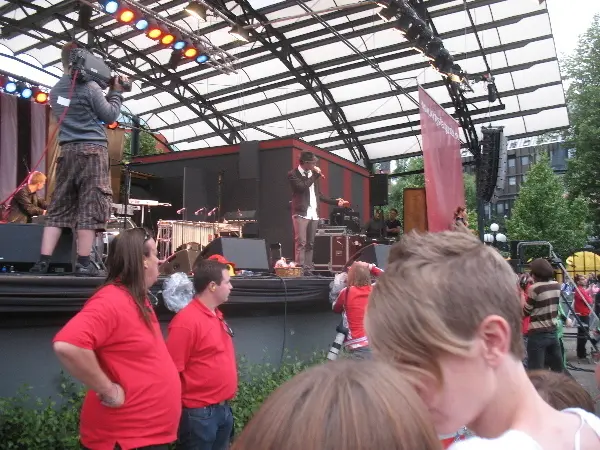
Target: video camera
92	68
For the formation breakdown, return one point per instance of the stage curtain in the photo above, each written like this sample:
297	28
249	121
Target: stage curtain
8	145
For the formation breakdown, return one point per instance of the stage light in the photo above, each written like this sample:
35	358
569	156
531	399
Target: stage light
154	30
11	87
240	33
113	126
40	96
110	6
141	24
180	43
404	23
174	60
197	10
24	90
167	38
126	14
387	13
190	51
202	58
433	48
443	63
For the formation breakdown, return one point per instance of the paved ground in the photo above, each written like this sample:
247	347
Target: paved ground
586	379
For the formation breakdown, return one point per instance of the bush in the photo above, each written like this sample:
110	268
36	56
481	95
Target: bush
28	424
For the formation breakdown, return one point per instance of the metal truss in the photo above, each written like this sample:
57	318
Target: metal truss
378	96
275	41
178	88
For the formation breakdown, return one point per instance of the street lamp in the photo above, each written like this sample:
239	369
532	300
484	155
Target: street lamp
491	239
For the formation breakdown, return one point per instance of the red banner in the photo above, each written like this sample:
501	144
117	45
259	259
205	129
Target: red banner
444	185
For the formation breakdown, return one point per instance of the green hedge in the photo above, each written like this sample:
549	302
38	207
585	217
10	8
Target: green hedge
28	424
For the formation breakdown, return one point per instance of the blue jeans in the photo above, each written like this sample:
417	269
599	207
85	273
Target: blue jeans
207	428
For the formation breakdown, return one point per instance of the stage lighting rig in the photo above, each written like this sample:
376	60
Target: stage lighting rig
24	88
197	10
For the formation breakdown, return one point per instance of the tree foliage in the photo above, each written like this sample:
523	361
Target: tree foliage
148	144
542	212
396	194
582	69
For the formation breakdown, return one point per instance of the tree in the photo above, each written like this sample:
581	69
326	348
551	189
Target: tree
147	144
396	195
471	199
542	212
582	69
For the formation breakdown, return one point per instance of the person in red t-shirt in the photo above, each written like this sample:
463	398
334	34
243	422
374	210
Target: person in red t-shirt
114	346
201	344
582	304
352	302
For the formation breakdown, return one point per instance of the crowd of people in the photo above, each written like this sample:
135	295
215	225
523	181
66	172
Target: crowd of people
432	349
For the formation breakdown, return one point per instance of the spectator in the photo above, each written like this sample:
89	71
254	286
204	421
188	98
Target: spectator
561	391
201	344
115	347
342	405
457	335
583	305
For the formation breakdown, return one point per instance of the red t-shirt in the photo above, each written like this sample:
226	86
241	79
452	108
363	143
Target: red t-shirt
203	352
137	359
580	304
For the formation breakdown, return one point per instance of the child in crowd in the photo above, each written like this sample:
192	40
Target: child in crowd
561	391
342	405
352	303
446	313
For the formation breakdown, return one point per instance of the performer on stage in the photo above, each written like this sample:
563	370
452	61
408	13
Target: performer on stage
25	204
82	196
306	193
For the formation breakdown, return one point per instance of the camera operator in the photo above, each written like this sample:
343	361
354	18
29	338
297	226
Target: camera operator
82	193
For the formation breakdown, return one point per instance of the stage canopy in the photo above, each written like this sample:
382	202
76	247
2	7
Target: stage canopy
345	57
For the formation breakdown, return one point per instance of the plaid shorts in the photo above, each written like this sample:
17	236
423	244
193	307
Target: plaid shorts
82	194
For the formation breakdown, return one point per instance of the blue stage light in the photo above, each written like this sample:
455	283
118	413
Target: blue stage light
111	6
141	24
10	87
202	58
26	92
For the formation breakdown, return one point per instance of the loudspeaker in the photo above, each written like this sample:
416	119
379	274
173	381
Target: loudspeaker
182	261
378	189
492	166
248	162
246	254
373	254
20	247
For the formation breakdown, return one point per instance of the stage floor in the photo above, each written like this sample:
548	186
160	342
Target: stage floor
27	293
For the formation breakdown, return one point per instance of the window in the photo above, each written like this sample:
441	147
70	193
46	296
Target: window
511	162
500	208
512	181
525	160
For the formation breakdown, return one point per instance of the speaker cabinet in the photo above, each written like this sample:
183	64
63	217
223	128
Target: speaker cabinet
415	210
246	254
182	261
20	248
377	254
378	189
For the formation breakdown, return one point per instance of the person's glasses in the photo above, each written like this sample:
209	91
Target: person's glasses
227	328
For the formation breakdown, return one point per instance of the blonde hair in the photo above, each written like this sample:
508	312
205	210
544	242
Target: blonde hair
359	275
346	405
37	177
434	294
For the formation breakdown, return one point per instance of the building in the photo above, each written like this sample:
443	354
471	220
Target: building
521	154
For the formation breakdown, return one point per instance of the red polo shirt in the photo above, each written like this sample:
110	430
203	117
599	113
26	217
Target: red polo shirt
136	358
202	350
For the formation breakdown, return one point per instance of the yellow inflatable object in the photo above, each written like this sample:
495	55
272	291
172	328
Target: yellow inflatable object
583	263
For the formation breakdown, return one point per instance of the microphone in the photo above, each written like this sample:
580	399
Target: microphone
212	211
179	211
201	209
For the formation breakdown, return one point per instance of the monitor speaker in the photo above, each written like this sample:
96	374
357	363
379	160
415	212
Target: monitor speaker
182	261
378	189
246	254
20	248
377	254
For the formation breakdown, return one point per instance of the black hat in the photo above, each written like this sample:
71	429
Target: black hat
308	157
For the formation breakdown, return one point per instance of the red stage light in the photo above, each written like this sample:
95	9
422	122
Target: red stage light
126	16
40	97
113	126
167	39
190	52
154	30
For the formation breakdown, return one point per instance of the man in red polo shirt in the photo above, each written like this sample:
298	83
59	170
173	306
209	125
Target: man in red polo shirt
201	345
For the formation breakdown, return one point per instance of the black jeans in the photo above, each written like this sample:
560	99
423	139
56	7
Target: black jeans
582	333
543	349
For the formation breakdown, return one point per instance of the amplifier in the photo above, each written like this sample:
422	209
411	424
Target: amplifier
332	252
331	230
20	248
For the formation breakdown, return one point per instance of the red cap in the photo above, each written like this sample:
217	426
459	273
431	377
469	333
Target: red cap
221	259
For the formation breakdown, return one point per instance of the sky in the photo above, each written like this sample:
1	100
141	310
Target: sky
569	19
